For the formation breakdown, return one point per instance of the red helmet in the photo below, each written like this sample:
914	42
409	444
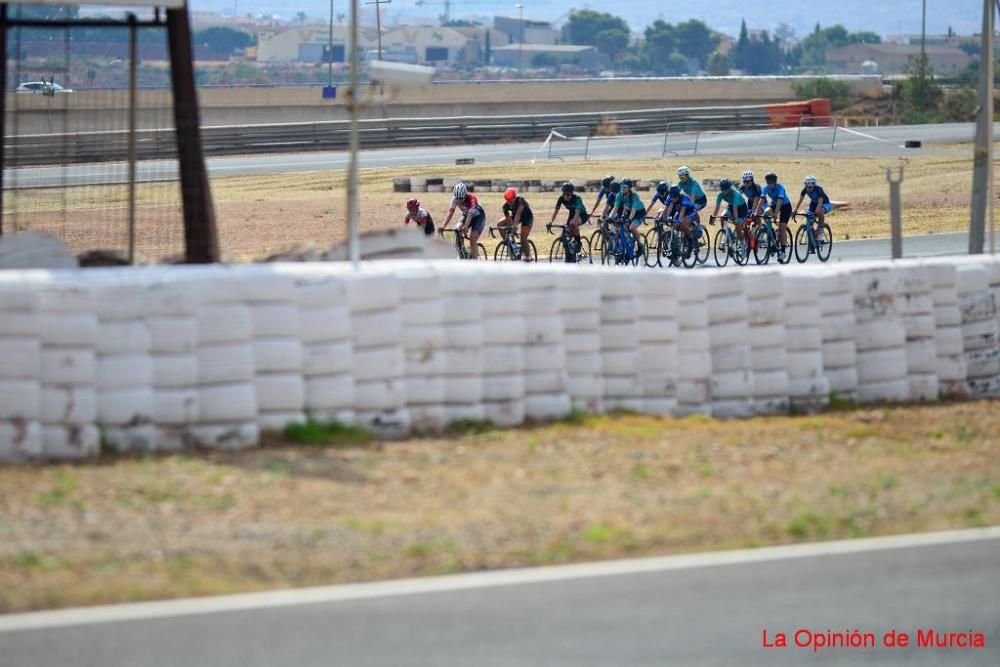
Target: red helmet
510	194
413	204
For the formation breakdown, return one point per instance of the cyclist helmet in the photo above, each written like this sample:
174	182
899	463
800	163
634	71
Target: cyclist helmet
412	204
771	177
725	184
809	180
616	187
510	194
627	183
568	188
460	191
608	180
675	192
747	176
663	187
683	170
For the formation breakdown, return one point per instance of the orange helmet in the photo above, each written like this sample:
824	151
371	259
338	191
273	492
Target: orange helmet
510	194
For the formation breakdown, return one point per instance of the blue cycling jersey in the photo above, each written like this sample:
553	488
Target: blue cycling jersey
817	195
686	204
632	204
605	193
657	197
751	191
774	193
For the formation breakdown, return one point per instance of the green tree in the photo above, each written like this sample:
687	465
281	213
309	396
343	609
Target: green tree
920	92
583	27
718	64
865	37
660	43
676	65
695	40
741	49
221	39
612	42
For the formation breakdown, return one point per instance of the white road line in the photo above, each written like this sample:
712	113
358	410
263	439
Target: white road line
478	580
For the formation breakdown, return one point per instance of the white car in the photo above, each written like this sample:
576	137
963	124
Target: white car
42	87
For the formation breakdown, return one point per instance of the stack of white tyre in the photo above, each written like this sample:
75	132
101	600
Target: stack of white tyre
657	336
979	330
808	387
731	385
125	396
227	399
504	348
20	365
765	294
68	371
950	367
619	344
173	332
915	299
580	305
379	367
546	380
840	355
880	337
421	312
463	336
325	332
694	358
277	349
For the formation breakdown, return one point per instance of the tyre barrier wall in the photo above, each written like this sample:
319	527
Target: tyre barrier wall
167	358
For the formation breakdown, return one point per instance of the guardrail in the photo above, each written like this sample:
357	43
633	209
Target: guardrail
38	149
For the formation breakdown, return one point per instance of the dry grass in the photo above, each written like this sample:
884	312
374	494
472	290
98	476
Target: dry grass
592	488
260	215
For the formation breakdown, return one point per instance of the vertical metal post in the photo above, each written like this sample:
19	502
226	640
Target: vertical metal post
133	55
352	165
697	136
378	21
923	30
982	175
895	211
3	104
520	40
201	238
330	46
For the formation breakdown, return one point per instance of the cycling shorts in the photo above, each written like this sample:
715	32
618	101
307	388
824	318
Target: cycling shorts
741	213
637	216
478	223
429	226
827	207
572	213
701	202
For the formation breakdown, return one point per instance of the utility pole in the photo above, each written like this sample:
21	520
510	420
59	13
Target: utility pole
330	47
378	21
520	42
982	175
923	31
354	101
895	211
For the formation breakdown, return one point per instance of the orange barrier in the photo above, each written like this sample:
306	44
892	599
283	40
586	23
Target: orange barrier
790	114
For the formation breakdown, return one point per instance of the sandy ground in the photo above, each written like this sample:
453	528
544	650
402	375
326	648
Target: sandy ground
589	488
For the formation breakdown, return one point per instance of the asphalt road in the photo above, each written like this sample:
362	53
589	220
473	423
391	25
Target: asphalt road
685	610
862	142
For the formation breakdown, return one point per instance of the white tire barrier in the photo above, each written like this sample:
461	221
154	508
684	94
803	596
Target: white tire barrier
881	365
280	392
223	323
325	324
173	334
61	366
70	442
175	406
123	338
119	371
20	358
225	363
277	355
20	441
275	320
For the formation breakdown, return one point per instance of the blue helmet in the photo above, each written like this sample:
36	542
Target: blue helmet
608	180
627	183
615	187
725	184
675	192
663	187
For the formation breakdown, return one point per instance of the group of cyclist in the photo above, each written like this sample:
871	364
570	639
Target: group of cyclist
681	205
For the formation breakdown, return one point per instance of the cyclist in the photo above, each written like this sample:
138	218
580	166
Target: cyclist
780	207
736	204
578	214
751	192
662	196
473	216
684	212
630	208
517	212
692	188
418	215
819	202
609	188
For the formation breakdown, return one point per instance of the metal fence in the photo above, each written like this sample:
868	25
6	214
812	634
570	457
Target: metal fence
817	133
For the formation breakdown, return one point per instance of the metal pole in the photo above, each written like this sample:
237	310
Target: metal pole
3	103
923	30
352	165
378	26
520	40
982	179
895	211
133	55
330	46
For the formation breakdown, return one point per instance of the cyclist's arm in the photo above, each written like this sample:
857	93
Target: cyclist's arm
517	215
556	211
600	196
801	197
451	213
718	205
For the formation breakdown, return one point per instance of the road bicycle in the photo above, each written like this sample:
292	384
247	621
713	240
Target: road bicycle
510	247
767	243
621	248
460	249
809	240
728	244
569	249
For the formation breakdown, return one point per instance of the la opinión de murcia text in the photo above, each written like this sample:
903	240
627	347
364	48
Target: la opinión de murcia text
823	640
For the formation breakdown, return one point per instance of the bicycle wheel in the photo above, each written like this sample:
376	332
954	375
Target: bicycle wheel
721	248
762	247
785	251
741	249
557	252
584	255
502	253
652	240
529	252
606	256
483	257
824	241
801	244
639	251
704	247
689	251
669	249
597	243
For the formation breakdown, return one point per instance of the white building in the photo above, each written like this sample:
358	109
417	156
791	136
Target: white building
308	44
425	44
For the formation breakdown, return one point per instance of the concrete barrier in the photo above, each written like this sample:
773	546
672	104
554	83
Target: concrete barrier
165	358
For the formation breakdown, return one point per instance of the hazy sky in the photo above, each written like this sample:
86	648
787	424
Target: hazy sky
883	16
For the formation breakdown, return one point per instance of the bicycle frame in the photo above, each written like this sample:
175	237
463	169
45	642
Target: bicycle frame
460	239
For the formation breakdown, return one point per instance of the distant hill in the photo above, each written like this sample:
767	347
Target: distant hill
886	18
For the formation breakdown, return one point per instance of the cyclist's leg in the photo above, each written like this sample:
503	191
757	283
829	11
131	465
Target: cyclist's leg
476	226
525	249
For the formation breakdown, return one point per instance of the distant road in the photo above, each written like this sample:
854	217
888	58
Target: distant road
884	142
703	609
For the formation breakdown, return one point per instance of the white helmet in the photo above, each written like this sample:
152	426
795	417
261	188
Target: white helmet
460	191
747	176
683	170
810	180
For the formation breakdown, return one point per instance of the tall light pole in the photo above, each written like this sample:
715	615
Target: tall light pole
923	30
520	42
982	175
330	47
352	166
378	21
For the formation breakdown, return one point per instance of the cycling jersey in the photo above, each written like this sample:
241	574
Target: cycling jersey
574	204
422	218
815	197
732	197
632	204
751	191
606	193
527	217
692	189
774	192
470	202
685	203
662	199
